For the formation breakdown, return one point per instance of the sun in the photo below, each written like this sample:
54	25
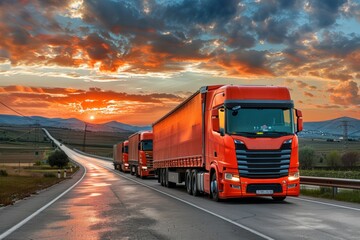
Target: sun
92	117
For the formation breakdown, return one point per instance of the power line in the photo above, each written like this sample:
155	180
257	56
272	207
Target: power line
27	117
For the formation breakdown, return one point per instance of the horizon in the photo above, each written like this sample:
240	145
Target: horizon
91	123
134	61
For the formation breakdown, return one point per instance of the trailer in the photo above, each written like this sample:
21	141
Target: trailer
141	154
231	142
120	156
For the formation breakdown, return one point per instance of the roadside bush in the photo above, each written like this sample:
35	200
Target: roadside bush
58	158
350	159
3	173
49	175
306	158
333	159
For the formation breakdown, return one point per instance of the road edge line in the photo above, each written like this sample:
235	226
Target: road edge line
20	224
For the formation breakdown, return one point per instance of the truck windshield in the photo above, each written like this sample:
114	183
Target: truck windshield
126	149
260	122
147	145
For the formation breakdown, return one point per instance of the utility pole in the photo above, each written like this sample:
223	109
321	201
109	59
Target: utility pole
345	125
84	140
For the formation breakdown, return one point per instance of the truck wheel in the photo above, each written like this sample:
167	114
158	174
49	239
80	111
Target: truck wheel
214	191
137	172
195	190
188	181
166	182
161	176
278	199
132	170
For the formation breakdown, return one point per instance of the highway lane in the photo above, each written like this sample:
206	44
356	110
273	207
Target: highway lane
295	218
112	205
106	205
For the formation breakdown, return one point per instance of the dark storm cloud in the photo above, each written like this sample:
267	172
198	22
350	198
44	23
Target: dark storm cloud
231	36
200	12
325	13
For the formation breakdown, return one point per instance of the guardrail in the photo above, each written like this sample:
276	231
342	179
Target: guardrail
92	155
334	183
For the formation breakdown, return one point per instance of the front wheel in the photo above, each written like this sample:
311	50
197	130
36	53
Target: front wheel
214	191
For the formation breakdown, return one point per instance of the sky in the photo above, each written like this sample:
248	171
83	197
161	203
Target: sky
134	61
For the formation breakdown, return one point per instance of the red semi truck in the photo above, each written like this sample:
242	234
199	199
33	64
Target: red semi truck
141	154
231	141
121	157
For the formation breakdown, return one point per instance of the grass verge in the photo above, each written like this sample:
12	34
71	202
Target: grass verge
19	183
345	195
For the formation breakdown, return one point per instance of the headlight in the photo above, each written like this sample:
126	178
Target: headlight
126	164
232	177
287	141
294	176
143	168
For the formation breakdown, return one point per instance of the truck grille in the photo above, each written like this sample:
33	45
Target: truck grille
263	163
149	160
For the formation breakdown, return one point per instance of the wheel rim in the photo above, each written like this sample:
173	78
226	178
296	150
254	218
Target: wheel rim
213	186
188	185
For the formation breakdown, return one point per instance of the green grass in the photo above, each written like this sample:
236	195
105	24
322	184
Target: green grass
344	195
331	174
13	188
23	182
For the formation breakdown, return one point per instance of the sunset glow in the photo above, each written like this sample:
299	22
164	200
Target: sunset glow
133	61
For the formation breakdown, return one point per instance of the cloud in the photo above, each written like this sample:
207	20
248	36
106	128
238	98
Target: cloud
345	93
309	94
78	102
324	13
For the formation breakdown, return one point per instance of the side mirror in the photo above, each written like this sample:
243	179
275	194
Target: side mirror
215	120
299	120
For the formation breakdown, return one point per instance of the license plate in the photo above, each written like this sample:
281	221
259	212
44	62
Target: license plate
262	192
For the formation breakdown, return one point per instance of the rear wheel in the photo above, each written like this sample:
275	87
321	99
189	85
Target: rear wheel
195	190
132	172
161	177
188	181
214	191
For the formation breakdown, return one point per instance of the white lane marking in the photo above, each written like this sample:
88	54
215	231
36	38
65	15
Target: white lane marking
17	226
327	204
193	205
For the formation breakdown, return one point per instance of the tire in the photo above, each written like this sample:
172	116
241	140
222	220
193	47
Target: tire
214	188
158	176
132	170
188	181
195	190
279	199
161	176
137	171
165	177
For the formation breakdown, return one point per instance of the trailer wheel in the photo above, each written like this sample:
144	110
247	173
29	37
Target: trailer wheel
137	171
195	190
132	170
188	181
166	182
278	199
214	191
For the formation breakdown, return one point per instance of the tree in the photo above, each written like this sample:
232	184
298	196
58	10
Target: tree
306	157
333	159
350	159
58	158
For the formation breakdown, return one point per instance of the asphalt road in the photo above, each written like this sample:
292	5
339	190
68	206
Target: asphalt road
107	204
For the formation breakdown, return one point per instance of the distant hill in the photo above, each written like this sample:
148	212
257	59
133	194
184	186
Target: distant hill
332	128
71	123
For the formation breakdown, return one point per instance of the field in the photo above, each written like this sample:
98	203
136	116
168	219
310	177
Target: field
322	146
23	145
98	143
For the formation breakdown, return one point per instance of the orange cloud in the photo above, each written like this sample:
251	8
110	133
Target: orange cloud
106	105
345	93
